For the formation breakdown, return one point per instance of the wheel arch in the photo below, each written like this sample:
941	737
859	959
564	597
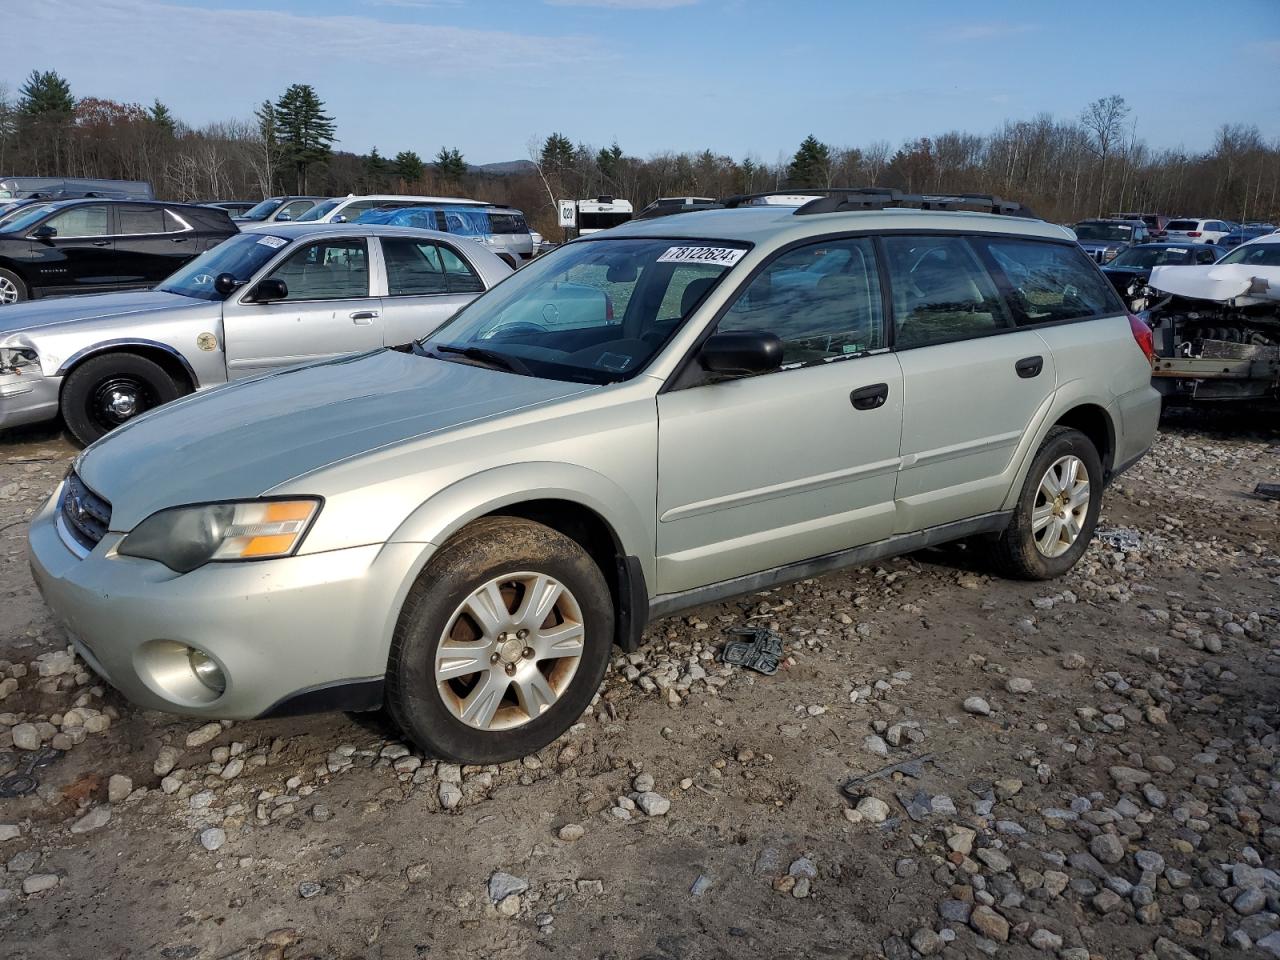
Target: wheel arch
1095	423
1096	418
577	502
165	356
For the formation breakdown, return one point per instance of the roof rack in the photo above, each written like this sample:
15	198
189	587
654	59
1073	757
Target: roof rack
841	199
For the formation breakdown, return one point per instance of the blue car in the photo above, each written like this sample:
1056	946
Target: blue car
501	229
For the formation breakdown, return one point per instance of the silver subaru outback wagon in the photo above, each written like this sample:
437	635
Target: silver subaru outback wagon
663	415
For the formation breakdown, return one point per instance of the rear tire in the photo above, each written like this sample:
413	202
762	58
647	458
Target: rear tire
479	673
12	288
1057	509
108	391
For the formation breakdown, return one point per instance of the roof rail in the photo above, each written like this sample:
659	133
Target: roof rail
841	199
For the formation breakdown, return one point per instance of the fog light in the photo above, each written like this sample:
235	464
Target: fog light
207	671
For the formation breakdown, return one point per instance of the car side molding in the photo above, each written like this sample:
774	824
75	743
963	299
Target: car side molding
667	604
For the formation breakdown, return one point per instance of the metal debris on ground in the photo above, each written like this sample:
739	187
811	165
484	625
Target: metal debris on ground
762	653
1123	539
913	768
1267	491
24	781
918	805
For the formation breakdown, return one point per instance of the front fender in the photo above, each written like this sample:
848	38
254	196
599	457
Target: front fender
448	511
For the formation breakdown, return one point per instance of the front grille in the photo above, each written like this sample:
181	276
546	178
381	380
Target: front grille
85	514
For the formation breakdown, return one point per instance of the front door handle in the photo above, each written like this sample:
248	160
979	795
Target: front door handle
102	243
1029	367
362	318
179	239
869	398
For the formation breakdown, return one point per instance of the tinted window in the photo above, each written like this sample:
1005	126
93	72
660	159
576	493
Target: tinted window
137	220
86	221
1183	225
507	223
413	268
1050	281
460	276
822	301
326	270
1206	256
941	291
174	223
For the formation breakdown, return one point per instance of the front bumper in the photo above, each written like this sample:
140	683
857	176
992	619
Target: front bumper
27	398
281	630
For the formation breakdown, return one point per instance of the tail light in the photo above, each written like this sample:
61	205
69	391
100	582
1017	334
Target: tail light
1193	233
1144	338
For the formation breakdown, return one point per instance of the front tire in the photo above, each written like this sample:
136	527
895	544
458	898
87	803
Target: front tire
108	391
12	288
501	644
1057	509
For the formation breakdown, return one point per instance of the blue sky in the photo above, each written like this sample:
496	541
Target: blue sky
739	76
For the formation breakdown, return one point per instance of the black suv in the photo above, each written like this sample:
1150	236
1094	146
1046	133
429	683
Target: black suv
93	245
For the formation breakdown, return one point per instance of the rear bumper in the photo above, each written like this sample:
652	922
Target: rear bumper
297	634
28	399
1139	417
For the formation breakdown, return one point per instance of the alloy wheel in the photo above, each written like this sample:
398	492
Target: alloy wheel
510	651
8	291
1062	503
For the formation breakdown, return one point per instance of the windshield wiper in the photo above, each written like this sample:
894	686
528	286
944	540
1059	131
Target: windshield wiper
490	357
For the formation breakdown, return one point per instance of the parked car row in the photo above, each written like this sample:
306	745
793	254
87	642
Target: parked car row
459	519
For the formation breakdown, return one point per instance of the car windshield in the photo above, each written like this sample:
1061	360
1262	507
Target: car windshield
592	311
26	216
241	256
1144	258
1254	255
1103	231
319	210
263	210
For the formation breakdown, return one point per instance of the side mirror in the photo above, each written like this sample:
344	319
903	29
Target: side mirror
44	232
269	289
741	354
340	218
283	218
225	284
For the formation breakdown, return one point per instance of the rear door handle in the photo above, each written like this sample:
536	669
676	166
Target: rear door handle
102	243
1029	367
363	318
179	239
869	398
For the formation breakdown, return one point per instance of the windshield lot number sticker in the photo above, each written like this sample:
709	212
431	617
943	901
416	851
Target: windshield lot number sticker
719	256
273	242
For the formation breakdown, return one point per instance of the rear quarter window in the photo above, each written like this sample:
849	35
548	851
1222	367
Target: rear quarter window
1050	282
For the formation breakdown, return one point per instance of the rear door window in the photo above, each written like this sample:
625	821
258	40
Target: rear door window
413	267
138	221
941	291
1049	282
459	275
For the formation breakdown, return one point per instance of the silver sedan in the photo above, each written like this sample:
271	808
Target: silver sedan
274	296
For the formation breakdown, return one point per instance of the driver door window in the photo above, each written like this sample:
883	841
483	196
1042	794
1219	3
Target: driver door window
335	269
91	220
822	301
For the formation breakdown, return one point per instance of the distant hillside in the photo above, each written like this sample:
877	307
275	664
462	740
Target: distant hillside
504	169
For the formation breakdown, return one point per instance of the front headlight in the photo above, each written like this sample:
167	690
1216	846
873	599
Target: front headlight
17	360
184	538
1110	254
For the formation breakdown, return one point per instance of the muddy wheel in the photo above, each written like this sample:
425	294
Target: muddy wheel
501	644
108	391
1057	510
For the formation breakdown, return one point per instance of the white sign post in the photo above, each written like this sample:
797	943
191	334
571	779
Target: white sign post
568	213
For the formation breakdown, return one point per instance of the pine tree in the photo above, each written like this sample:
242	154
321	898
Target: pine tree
609	160
811	164
409	166
377	168
46	95
304	130
557	154
450	165
160	115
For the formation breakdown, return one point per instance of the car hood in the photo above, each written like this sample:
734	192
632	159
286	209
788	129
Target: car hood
34	314
1103	244
243	439
1220	282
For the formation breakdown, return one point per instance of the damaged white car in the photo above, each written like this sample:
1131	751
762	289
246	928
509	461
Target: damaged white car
1217	327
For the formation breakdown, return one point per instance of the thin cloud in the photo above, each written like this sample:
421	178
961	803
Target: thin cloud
414	4
1268	50
984	31
623	4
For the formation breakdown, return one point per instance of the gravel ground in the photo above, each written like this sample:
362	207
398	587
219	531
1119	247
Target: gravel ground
1096	772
